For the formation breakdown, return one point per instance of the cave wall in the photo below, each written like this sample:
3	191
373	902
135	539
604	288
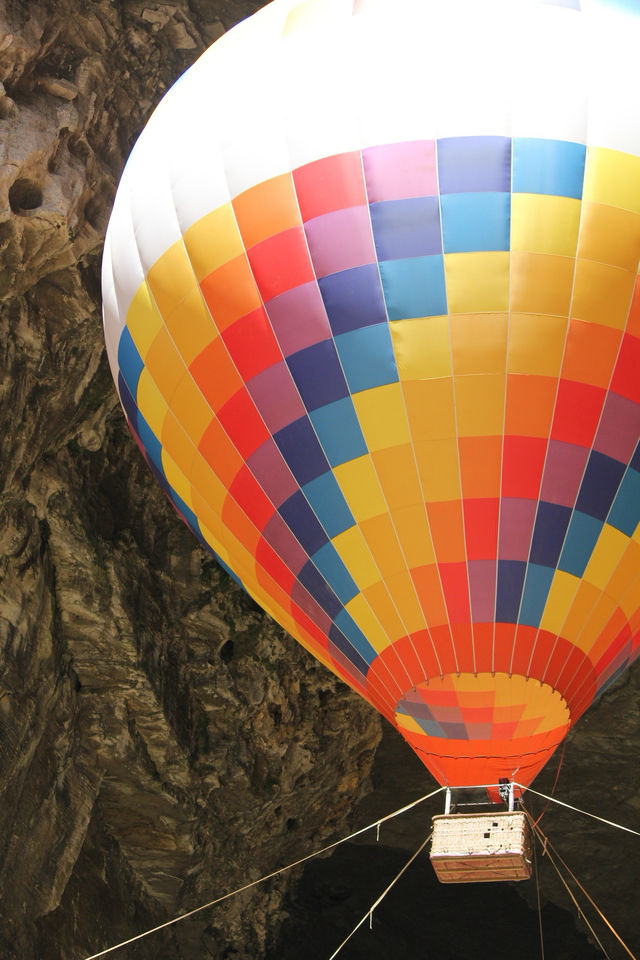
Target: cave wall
161	741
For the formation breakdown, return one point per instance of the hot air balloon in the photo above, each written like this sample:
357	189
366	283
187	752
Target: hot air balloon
371	303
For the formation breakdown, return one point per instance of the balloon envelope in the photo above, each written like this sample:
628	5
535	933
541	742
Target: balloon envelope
371	302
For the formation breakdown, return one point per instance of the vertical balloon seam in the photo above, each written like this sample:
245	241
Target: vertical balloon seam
578	238
455	420
559	378
590	453
346	640
267	314
284	358
412	680
157	468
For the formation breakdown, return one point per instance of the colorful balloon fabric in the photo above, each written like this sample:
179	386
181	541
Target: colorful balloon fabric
371	301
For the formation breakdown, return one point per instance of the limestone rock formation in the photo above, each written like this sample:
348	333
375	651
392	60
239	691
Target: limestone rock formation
161	741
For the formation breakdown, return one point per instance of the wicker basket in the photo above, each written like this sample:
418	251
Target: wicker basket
479	847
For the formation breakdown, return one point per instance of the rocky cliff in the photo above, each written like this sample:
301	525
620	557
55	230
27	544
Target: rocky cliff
161	741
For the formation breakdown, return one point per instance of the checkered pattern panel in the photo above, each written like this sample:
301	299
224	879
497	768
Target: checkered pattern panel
381	349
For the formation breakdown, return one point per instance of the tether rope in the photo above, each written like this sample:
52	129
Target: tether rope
376	824
555	782
538	835
377	902
254	883
535	863
548	847
585	813
575	902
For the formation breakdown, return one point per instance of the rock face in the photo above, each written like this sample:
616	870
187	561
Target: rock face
161	741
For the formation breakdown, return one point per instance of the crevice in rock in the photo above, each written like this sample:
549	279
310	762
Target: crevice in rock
24	195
